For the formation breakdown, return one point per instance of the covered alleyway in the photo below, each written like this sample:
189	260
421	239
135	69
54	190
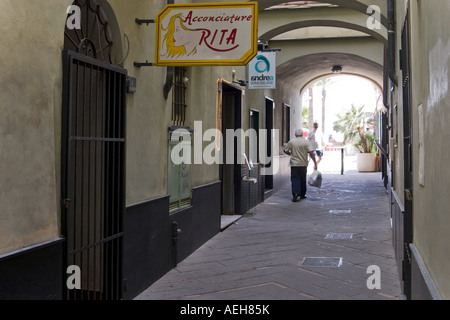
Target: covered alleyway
270	253
106	197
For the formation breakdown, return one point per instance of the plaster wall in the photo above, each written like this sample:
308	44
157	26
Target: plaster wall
148	113
277	22
369	48
30	104
430	47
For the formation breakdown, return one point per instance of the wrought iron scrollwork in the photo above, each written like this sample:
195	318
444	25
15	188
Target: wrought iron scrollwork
94	37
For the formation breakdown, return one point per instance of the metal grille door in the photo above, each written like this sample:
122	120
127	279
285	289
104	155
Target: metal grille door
93	158
405	59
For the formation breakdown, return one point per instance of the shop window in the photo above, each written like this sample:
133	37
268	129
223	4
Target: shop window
179	169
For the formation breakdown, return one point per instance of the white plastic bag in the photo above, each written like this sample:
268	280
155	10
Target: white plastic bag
315	179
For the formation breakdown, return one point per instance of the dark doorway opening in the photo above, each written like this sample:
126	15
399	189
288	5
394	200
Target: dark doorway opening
253	155
269	110
230	173
405	59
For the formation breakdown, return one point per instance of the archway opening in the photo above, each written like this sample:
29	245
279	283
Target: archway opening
329	99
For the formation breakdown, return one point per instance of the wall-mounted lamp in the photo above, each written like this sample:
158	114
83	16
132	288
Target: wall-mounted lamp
242	83
336	69
264	47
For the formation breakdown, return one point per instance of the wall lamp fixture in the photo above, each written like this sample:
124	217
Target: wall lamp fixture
336	69
264	47
242	83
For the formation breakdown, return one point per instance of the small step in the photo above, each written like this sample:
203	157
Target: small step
228	220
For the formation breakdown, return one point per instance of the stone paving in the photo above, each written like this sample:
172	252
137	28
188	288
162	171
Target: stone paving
321	248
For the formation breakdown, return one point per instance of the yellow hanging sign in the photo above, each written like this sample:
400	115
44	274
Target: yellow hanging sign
207	34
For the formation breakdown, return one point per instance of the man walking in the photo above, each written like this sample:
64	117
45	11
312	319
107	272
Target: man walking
315	137
299	149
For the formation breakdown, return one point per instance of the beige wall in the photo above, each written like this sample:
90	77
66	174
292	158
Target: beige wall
430	46
30	104
369	48
148	113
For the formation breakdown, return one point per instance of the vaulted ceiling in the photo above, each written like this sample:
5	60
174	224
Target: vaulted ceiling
320	23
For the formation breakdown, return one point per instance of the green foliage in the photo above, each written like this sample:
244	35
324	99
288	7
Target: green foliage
370	142
305	123
353	125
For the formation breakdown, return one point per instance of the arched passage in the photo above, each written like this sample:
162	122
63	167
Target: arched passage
321	23
330	100
302	70
351	4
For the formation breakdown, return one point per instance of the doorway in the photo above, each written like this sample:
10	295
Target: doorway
253	153
408	169
230	173
94	174
269	109
93	153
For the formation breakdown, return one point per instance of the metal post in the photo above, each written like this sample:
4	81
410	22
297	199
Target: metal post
342	161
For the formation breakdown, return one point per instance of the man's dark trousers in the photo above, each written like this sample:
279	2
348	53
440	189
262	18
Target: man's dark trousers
298	180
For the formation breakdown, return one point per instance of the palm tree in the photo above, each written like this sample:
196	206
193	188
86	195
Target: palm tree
353	124
311	107
305	121
323	84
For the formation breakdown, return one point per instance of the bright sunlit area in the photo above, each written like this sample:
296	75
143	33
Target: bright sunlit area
330	97
341	92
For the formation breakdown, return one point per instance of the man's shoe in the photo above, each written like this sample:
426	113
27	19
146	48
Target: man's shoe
295	198
304	197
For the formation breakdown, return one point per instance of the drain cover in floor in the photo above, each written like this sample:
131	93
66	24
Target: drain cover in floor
340	211
339	236
322	262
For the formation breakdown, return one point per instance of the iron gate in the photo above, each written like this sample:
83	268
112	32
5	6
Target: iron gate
93	173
